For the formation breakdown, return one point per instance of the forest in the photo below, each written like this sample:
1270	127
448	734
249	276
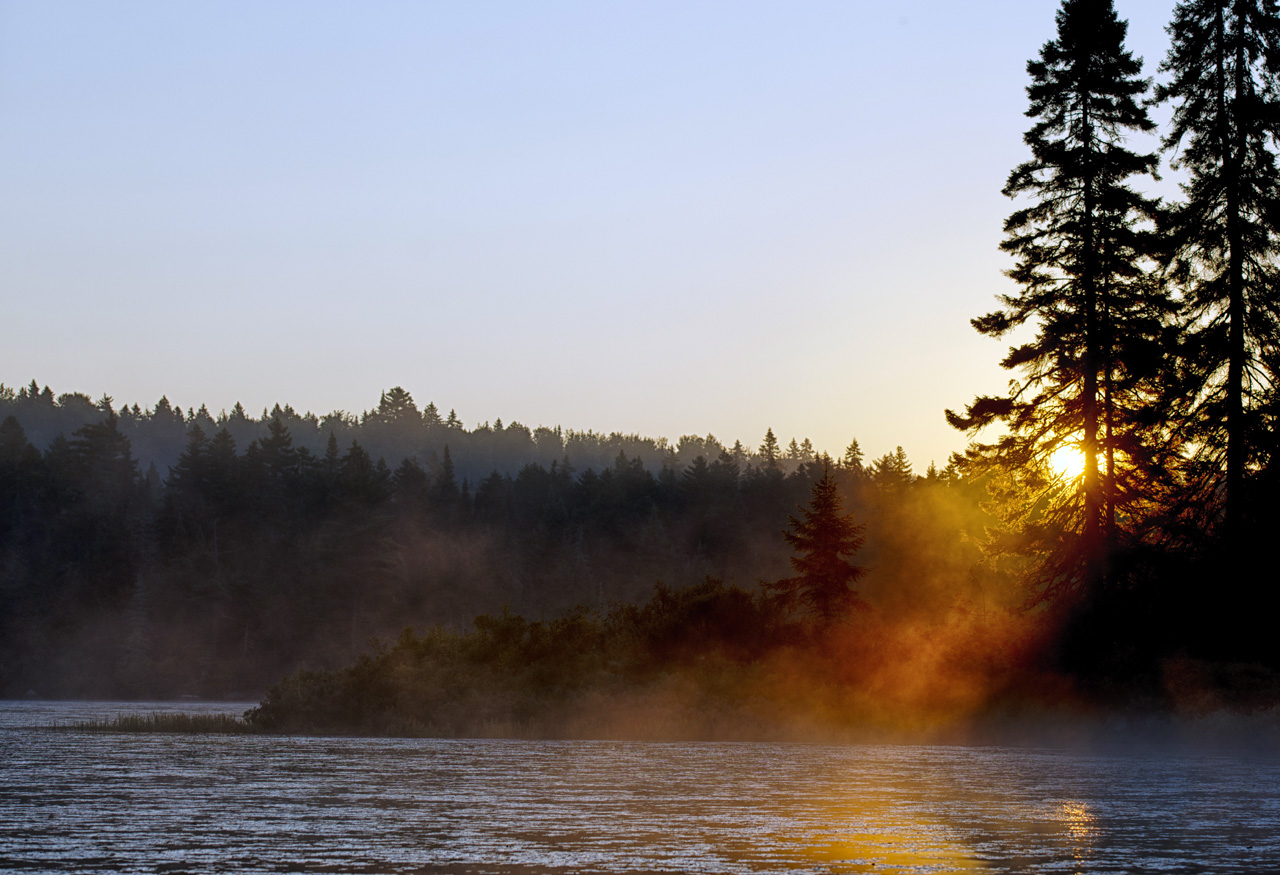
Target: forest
1102	542
247	561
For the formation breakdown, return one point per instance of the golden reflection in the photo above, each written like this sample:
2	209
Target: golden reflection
1082	828
1079	821
888	837
929	824
894	852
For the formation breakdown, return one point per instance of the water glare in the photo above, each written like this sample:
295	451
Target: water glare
99	802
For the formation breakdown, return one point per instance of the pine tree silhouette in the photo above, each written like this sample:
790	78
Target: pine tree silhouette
825	538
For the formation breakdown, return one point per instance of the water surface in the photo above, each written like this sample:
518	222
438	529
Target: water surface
93	802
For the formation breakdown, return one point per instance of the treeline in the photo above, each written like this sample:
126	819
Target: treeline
394	430
243	562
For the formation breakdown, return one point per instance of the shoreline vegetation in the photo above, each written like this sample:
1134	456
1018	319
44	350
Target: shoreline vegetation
164	722
1053	727
715	663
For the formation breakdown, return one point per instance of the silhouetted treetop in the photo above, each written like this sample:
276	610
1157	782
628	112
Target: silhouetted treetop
825	539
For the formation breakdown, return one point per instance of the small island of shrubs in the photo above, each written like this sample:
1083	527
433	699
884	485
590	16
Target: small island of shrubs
710	661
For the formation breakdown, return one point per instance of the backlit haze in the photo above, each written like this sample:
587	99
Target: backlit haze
658	217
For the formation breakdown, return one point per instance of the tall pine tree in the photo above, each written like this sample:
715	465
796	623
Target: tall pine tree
1224	63
1080	242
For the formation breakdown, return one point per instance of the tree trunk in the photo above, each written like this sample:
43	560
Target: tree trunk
1092	505
1235	152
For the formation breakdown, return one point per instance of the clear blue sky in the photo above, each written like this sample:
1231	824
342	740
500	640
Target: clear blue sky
661	217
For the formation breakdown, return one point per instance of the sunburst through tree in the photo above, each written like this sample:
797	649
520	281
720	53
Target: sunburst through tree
1082	241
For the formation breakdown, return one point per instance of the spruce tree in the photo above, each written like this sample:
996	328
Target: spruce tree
852	459
445	487
187	476
21	473
226	480
331	461
770	452
1224	63
825	539
431	417
1080	243
793	451
396	405
893	470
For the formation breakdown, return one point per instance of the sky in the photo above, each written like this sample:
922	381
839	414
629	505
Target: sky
663	217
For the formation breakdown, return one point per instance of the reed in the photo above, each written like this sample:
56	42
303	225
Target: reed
176	722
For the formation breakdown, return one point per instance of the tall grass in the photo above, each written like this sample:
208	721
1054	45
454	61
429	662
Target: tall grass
194	724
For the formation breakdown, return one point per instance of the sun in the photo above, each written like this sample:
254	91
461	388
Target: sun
1067	461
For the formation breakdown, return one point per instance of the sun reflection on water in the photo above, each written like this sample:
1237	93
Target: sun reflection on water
1081	828
1078	819
881	834
895	852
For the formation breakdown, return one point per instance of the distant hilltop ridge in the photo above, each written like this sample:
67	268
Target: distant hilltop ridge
394	430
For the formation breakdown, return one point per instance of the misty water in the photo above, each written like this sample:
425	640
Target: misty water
74	801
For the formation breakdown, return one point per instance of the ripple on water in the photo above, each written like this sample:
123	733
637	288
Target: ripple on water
86	802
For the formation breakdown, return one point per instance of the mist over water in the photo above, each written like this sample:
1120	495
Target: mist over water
84	802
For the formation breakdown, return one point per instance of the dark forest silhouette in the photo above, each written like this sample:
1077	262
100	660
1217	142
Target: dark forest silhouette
151	552
1154	346
246	561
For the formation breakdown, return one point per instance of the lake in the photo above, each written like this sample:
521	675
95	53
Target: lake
93	802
